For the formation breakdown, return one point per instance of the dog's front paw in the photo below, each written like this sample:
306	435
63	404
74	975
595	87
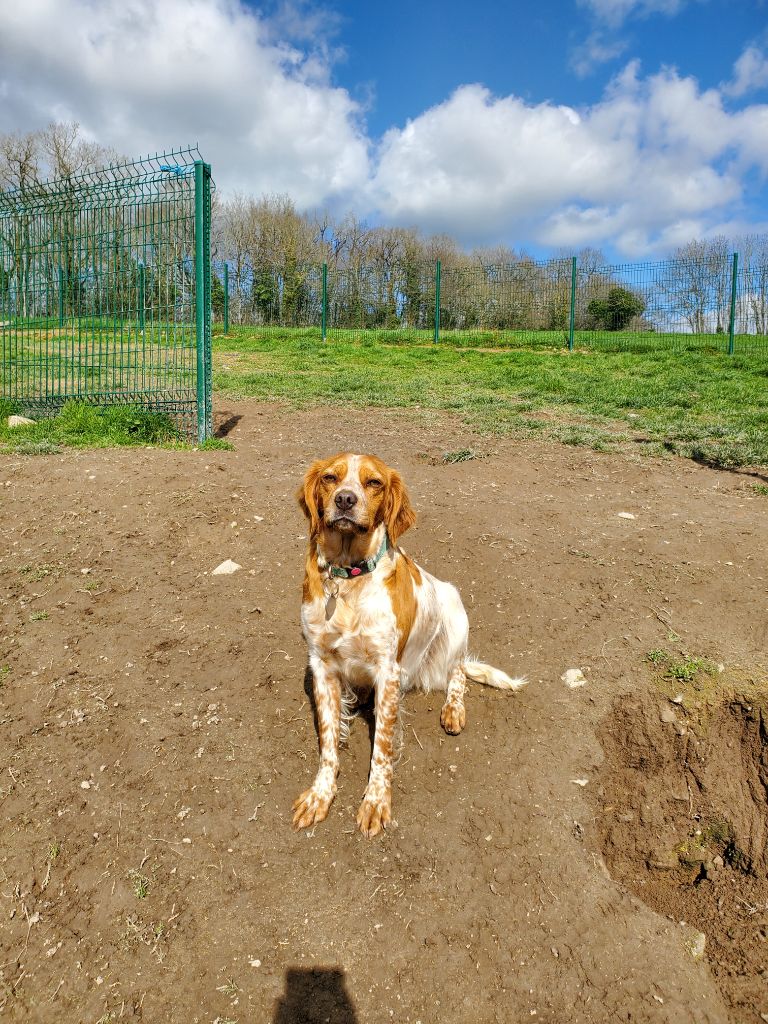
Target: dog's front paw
453	718
374	815
309	808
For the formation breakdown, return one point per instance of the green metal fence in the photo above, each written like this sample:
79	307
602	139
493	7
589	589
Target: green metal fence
105	290
708	304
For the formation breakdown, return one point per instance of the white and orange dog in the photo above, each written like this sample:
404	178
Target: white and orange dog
373	619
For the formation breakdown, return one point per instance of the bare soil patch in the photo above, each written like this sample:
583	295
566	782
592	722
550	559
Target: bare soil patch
154	730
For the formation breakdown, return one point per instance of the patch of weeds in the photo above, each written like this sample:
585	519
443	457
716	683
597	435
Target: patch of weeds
5	671
107	1018
26	447
657	656
717	832
38	616
686	670
137	931
35	573
54	849
139	884
581	436
692	851
8	408
760	489
460	455
216	444
229	988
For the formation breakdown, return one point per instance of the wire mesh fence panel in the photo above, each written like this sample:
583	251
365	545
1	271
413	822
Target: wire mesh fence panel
105	290
681	305
708	304
525	303
268	295
751	312
394	302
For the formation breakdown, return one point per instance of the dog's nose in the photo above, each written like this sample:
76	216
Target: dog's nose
345	500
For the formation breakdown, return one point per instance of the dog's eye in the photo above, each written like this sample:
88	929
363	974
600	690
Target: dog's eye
374	483
329	478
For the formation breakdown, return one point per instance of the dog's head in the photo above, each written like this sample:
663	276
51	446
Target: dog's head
353	494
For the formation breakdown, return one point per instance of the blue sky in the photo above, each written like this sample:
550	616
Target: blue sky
403	57
629	125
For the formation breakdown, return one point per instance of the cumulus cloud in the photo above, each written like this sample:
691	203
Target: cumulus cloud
750	72
654	153
138	74
657	159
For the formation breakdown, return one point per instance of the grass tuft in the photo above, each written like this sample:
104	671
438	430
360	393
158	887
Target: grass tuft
82	425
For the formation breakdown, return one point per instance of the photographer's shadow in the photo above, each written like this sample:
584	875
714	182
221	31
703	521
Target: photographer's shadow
315	995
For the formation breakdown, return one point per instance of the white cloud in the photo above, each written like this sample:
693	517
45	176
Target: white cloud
657	158
596	49
654	153
614	12
139	74
750	72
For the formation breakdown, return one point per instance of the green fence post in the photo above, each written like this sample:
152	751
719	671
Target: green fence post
61	296
142	289
226	297
437	301
324	313
572	319
203	295
732	321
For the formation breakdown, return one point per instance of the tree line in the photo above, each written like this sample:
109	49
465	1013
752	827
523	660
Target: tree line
381	276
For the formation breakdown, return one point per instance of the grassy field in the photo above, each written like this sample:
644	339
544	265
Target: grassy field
696	402
710	407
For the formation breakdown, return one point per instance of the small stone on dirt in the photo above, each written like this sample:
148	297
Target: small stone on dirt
226	568
667	715
573	677
695	942
663	860
626	515
20	421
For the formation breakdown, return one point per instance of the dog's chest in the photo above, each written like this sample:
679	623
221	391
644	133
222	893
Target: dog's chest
354	634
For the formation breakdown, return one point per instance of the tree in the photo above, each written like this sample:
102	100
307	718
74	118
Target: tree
617	309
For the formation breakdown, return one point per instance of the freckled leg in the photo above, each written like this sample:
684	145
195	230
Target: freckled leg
312	806
376	809
453	716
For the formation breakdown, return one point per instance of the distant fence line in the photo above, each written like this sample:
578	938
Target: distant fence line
708	302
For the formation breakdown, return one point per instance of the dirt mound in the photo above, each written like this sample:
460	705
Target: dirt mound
684	825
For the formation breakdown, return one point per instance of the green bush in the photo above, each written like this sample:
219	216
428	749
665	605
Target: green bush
616	310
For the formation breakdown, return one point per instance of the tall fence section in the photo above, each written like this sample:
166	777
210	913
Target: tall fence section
105	285
711	303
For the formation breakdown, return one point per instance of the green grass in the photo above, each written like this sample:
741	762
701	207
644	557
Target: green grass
81	425
710	407
615	341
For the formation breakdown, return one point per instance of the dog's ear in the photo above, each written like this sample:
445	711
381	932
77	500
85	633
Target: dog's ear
399	514
309	498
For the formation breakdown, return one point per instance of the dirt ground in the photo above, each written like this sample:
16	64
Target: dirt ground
155	728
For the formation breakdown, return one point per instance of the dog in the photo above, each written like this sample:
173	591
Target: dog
374	620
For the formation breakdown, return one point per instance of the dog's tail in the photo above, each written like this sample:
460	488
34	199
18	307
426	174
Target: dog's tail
479	672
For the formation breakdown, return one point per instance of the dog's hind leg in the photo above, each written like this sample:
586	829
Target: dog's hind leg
453	716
